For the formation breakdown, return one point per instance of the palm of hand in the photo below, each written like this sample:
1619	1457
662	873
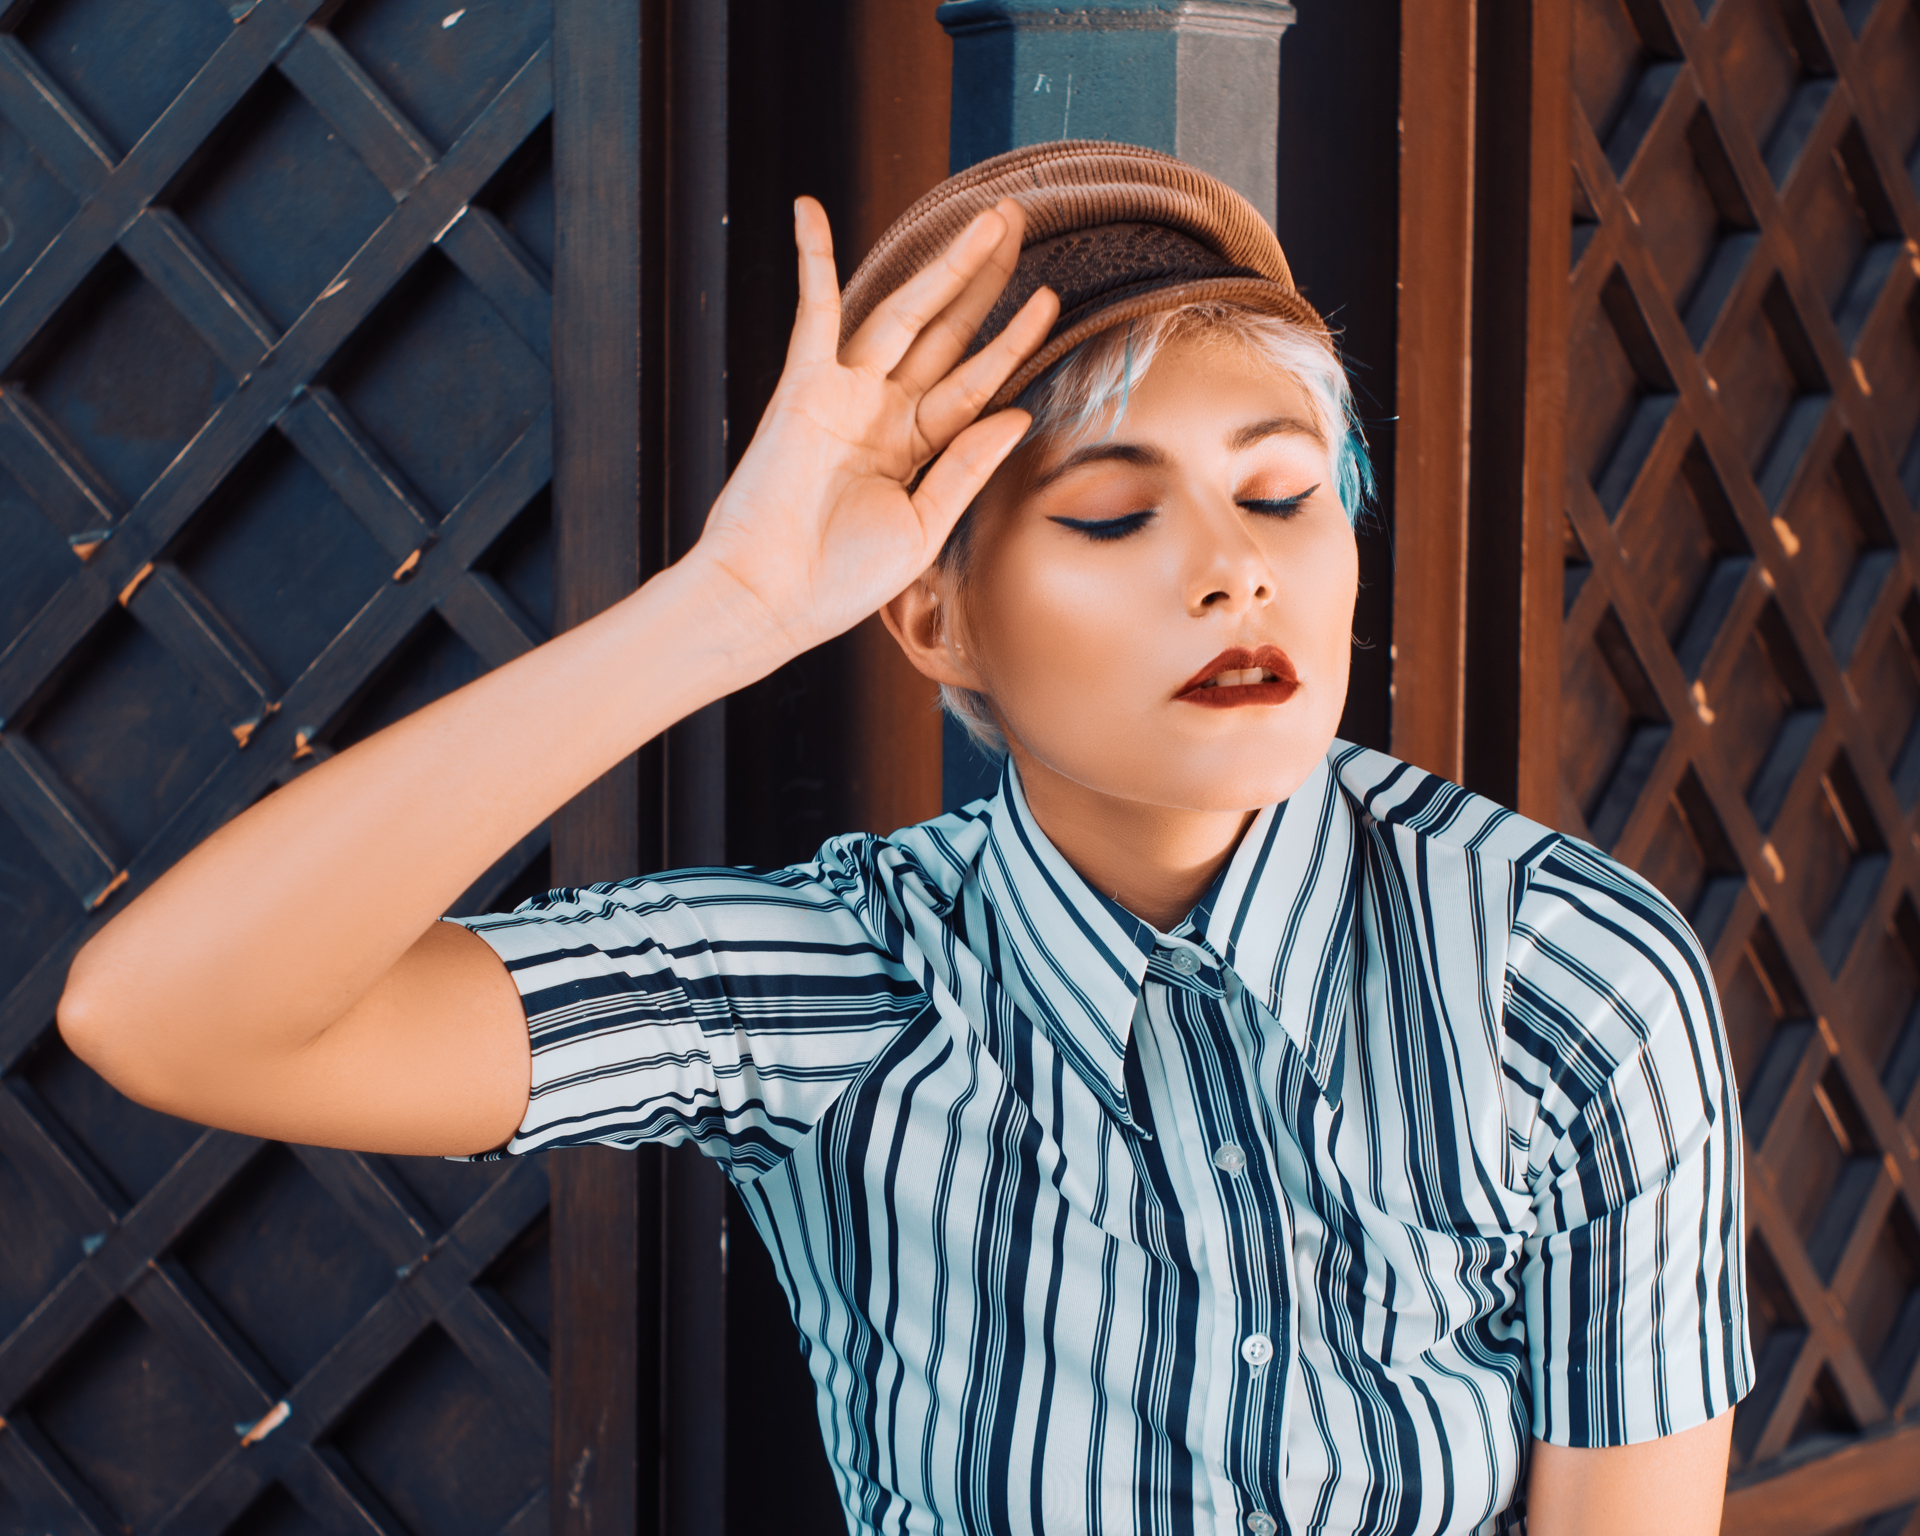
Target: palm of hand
817	527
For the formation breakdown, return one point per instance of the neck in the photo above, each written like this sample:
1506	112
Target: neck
1155	860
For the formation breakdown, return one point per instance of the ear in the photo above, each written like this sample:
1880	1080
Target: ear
925	621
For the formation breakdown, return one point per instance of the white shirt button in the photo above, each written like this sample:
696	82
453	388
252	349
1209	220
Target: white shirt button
1256	1349
1185	961
1261	1523
1229	1159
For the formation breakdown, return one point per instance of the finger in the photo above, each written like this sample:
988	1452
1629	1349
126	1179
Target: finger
816	325
951	332
883	340
962	394
958	475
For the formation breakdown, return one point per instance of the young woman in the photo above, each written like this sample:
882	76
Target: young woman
1222	1128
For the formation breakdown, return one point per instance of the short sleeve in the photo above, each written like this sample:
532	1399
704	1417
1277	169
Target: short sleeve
1635	1275
720	1006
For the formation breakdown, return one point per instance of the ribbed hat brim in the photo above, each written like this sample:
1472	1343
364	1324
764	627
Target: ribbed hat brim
1210	245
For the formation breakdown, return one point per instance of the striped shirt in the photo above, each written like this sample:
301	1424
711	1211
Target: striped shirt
1415	1139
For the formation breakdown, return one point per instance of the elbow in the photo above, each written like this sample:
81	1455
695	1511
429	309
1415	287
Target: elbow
97	1025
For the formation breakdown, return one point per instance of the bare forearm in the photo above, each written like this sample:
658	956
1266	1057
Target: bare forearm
274	927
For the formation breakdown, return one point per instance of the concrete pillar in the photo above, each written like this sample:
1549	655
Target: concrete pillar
1197	78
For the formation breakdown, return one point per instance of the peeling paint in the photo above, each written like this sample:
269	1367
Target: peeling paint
134	585
243	732
447	22
84	544
253	1434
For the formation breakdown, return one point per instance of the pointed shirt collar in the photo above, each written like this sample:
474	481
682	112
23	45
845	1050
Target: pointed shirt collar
1281	916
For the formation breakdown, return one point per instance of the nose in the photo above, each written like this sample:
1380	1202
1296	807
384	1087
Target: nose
1228	570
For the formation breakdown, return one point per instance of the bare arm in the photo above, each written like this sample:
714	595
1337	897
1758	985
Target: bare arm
288	978
1668	1487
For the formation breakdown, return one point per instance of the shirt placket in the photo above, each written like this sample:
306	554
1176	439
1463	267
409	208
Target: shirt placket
1244	1224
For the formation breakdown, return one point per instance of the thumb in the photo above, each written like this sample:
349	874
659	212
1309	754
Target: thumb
958	475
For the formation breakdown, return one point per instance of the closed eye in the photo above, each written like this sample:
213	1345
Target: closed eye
1285	506
1104	530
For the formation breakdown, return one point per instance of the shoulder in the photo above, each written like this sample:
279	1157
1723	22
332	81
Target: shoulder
675	912
1569	903
848	895
1433	811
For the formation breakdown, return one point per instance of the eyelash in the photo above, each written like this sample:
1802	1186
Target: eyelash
1105	530
1283	506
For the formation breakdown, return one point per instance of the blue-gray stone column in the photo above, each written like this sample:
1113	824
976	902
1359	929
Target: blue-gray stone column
1196	78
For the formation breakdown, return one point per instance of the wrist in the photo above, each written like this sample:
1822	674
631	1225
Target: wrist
722	627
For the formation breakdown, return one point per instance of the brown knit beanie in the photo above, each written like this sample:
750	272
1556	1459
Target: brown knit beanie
1116	231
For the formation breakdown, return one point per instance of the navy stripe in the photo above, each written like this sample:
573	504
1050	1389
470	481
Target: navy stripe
1431	1103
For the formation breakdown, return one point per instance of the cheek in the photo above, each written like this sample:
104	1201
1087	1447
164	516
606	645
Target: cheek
1052	629
1321	583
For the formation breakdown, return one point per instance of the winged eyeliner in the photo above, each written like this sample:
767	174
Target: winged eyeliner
1105	529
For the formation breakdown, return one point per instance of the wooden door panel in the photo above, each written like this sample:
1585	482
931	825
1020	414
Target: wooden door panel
275	440
1742	695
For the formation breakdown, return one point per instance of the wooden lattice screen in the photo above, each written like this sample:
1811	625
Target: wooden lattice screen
1741	649
275	438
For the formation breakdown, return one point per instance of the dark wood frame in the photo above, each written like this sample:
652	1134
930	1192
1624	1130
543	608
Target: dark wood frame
639	1400
1485	211
1434	378
603	1356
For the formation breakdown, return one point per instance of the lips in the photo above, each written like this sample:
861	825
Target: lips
1240	676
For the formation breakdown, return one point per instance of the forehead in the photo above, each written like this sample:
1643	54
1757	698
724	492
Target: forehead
1200	394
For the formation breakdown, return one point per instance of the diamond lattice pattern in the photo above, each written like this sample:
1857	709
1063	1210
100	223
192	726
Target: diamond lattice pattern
1741	707
275	442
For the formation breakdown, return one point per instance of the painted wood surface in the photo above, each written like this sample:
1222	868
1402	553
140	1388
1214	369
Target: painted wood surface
276	436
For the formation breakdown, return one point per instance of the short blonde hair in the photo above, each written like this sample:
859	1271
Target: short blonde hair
1091	384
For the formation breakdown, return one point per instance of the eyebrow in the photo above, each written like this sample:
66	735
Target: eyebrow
1276	426
1095	453
1152	458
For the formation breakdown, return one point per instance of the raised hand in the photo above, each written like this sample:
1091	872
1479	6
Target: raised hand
817	528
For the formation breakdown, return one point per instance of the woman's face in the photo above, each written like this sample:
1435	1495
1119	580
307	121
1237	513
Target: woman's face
1165	615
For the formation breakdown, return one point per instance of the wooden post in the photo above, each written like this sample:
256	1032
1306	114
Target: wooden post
692	1240
899	105
602	1355
1522	223
1434	382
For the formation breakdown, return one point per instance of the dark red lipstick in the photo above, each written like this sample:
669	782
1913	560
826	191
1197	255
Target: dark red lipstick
1277	682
